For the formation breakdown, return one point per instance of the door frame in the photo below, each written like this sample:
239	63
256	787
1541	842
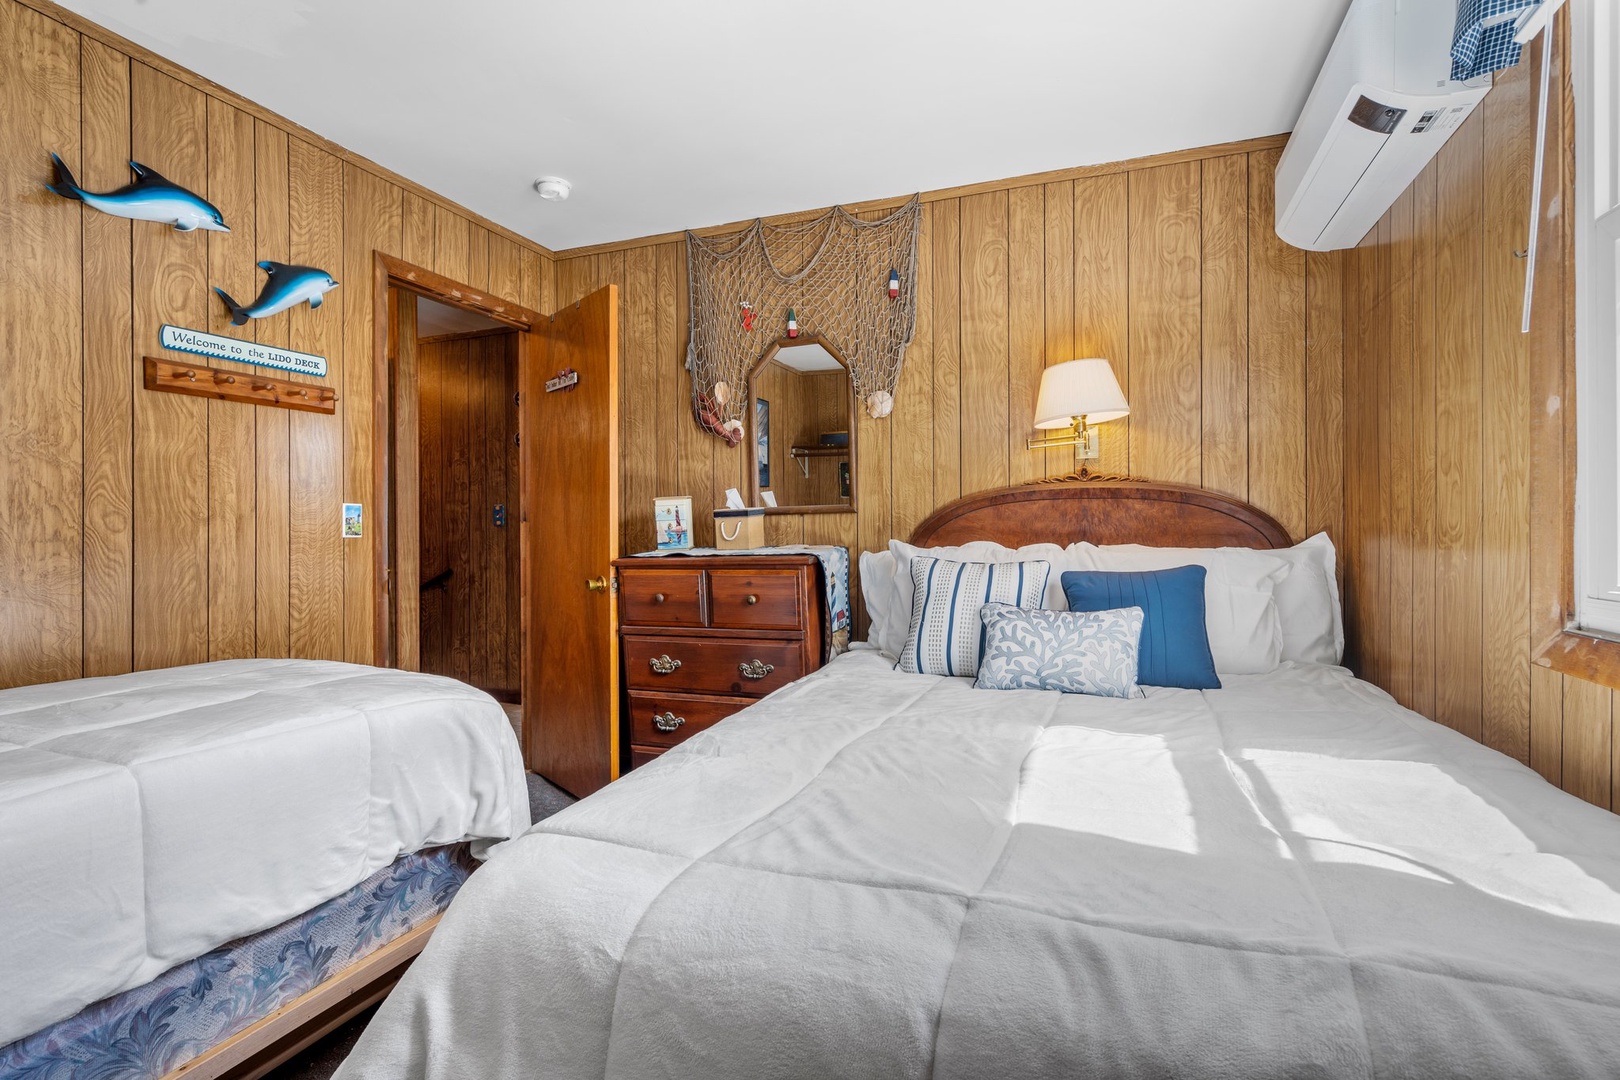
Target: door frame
391	272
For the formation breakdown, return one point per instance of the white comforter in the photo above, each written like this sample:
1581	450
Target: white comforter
882	875
147	818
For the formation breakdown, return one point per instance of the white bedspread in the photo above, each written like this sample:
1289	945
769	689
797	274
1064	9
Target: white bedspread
147	818
881	875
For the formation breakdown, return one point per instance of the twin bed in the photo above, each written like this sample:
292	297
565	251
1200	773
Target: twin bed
201	860
878	874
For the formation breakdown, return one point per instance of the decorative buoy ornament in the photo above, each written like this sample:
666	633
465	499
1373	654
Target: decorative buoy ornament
894	283
748	315
793	324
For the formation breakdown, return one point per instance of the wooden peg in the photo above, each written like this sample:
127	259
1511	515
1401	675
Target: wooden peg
224	377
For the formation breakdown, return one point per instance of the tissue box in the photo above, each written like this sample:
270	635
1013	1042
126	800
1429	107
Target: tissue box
739	530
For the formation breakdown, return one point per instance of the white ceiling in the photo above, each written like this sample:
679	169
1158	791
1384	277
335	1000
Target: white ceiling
807	358
678	115
434	318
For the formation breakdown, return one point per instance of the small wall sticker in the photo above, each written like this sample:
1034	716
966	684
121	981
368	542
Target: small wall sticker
149	197
285	286
352	523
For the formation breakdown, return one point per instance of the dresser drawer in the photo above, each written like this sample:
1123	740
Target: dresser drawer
644	755
756	599
701	665
663	720
660	597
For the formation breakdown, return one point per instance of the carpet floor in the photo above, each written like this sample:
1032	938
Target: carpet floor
320	1061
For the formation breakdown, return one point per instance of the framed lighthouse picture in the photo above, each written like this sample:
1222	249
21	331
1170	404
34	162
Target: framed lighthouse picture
672	522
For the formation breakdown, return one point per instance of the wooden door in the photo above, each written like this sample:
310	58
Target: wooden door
569	444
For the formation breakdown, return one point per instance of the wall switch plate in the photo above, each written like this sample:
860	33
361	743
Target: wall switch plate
500	515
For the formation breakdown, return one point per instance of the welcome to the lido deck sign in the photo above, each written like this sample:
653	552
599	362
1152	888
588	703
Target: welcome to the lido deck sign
243	352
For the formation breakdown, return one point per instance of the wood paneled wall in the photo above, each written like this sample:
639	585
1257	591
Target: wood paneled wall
1445	402
141	529
1226	341
468	464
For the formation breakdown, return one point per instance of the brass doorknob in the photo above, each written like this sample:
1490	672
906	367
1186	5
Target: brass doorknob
596	584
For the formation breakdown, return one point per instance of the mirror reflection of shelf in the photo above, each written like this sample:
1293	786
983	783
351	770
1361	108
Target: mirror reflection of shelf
803	454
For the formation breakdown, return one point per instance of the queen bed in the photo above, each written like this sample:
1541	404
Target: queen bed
872	873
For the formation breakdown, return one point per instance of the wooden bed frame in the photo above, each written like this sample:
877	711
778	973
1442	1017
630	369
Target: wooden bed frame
305	1020
1103	512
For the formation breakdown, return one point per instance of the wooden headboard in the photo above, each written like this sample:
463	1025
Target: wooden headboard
1103	512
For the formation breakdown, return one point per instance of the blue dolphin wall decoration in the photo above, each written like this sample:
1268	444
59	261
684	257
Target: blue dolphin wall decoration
149	197
285	286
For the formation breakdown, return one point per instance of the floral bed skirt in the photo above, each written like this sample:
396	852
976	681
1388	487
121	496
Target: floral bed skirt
152	1030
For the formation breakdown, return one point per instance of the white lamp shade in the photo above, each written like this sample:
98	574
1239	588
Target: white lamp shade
1079	388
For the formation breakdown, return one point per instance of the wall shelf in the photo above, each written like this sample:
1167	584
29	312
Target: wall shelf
803	454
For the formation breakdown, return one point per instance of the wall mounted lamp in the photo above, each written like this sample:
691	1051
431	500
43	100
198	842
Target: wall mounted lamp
1075	395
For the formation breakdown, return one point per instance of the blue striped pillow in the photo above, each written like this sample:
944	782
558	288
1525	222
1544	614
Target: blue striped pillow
947	635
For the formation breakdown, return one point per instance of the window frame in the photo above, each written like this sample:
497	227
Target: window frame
1596	540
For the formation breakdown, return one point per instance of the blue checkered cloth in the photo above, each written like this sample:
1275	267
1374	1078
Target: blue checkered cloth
1483	41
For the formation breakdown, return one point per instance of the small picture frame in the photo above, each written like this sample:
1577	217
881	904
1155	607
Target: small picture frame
762	436
353	521
672	522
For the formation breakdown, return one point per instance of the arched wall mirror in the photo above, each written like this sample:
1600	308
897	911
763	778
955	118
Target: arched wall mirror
801	429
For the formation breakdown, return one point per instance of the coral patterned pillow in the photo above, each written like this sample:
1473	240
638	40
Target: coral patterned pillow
1071	652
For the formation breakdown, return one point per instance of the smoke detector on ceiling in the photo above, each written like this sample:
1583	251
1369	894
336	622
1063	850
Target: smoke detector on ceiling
553	188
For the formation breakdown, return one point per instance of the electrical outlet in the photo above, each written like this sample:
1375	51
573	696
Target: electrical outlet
500	515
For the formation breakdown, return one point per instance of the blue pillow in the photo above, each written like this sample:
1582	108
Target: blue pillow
1175	643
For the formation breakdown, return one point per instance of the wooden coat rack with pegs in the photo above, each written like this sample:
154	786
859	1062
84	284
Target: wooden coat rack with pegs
247	387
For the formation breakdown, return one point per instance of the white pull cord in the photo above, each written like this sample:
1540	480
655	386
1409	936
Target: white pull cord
1535	184
1537	20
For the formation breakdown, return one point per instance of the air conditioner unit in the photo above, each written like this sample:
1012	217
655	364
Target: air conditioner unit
1383	106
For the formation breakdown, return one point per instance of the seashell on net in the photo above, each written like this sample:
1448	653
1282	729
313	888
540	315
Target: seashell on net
879	403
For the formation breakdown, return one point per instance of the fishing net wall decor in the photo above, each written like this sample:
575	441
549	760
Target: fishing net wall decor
848	282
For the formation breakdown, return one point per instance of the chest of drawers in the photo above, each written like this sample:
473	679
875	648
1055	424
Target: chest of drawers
703	636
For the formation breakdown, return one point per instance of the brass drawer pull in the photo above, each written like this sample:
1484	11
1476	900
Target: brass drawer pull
750	599
756	669
658	598
663	665
667	721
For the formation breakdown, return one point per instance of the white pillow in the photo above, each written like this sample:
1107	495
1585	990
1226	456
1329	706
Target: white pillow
889	619
1308	603
1240	612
